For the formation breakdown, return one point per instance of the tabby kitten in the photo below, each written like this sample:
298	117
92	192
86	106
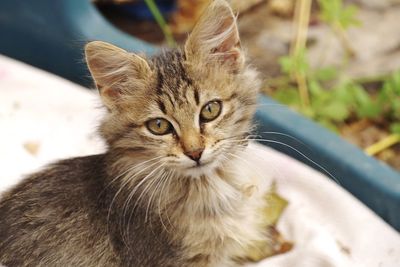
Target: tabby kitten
170	190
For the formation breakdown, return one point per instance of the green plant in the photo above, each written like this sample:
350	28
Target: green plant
324	94
332	106
389	99
335	14
332	103
161	22
297	49
339	18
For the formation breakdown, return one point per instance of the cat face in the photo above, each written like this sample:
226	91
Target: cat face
186	110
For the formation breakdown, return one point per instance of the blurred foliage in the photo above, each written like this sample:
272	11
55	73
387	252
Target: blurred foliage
332	101
335	99
334	13
158	17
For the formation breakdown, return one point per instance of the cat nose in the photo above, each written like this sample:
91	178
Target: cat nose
195	154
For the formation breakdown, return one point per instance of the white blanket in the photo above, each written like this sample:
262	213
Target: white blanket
44	118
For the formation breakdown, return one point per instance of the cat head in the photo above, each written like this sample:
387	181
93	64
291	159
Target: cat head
185	109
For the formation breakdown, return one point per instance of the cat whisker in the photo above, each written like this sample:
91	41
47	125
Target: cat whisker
143	180
271	105
172	174
240	134
163	182
130	169
286	135
158	183
122	187
160	197
131	178
301	154
246	162
150	177
277	174
286	145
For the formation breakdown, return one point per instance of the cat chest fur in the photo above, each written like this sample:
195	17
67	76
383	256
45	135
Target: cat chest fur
216	221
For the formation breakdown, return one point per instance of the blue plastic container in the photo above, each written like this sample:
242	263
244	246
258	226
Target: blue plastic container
139	10
50	34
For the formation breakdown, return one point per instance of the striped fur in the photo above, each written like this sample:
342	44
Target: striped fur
144	202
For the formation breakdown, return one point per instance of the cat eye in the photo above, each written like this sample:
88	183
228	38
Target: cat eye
210	111
159	126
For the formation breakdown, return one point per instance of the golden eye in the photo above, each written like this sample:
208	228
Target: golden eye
159	126
210	111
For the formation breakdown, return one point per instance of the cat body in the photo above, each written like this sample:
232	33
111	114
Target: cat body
172	188
61	217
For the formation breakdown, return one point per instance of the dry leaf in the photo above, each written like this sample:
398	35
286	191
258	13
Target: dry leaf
275	243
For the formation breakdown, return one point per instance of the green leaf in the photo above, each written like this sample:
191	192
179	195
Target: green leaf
347	17
360	96
395	127
395	83
289	96
297	63
391	86
325	74
343	93
277	205
370	110
308	112
286	64
396	108
334	13
329	125
389	96
315	88
335	111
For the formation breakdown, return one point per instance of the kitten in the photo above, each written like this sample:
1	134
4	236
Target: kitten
170	190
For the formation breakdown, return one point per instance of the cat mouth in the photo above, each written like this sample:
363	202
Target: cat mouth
199	165
202	168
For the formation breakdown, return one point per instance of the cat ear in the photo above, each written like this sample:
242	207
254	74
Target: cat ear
215	37
114	70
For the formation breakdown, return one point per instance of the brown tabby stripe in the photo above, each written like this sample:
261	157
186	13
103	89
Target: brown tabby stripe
172	78
161	106
242	119
196	96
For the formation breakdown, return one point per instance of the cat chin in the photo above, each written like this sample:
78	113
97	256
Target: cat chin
200	170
